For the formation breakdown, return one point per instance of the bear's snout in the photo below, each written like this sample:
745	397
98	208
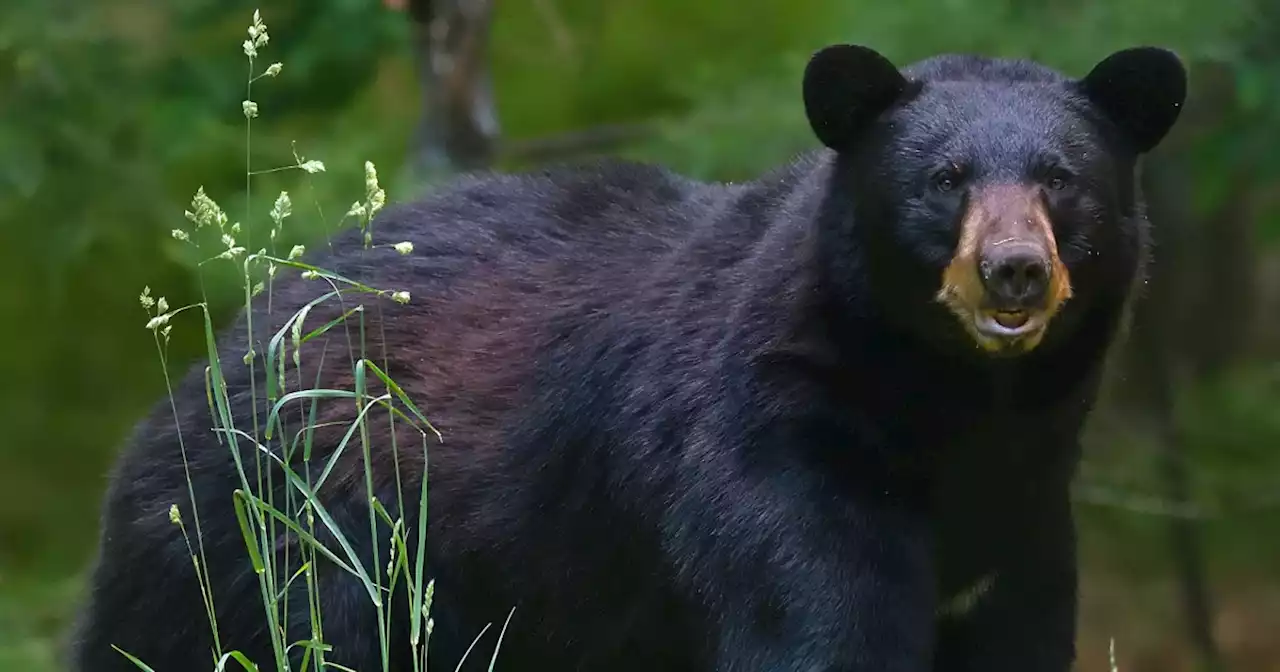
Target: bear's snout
1005	281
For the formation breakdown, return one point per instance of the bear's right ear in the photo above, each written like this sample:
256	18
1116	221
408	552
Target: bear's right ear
846	87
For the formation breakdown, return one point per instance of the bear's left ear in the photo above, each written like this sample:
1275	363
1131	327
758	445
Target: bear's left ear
1141	90
845	88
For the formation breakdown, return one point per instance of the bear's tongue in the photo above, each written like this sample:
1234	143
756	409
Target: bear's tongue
1011	319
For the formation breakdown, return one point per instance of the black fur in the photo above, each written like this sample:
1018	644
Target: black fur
694	426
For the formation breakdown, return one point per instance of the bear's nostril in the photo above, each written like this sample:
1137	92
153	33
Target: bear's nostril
1034	273
1016	278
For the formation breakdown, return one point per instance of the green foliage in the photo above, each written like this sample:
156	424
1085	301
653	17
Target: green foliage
113	114
744	122
1232	428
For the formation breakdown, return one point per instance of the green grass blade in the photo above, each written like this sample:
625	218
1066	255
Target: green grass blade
497	647
250	539
400	394
322	513
141	665
416	615
346	438
239	658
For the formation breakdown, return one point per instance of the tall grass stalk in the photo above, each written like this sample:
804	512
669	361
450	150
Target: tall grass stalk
275	443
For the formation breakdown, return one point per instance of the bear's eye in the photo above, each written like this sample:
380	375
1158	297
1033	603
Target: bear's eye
946	179
1059	179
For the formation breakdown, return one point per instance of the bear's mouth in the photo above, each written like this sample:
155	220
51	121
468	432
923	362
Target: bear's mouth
1011	319
1007	327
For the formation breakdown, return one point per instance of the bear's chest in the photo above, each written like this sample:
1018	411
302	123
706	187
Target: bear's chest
999	496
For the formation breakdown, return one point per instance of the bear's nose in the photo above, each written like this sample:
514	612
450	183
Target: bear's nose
1015	276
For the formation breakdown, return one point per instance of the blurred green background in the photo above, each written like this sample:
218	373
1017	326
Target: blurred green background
112	113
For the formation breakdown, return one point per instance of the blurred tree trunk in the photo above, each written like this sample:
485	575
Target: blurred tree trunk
1214	249
1156	366
458	130
1194	317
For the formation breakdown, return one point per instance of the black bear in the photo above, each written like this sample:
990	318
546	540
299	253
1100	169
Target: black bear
825	420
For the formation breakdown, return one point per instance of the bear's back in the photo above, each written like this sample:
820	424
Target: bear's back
605	216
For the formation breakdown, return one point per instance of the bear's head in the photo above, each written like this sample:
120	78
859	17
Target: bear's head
993	201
